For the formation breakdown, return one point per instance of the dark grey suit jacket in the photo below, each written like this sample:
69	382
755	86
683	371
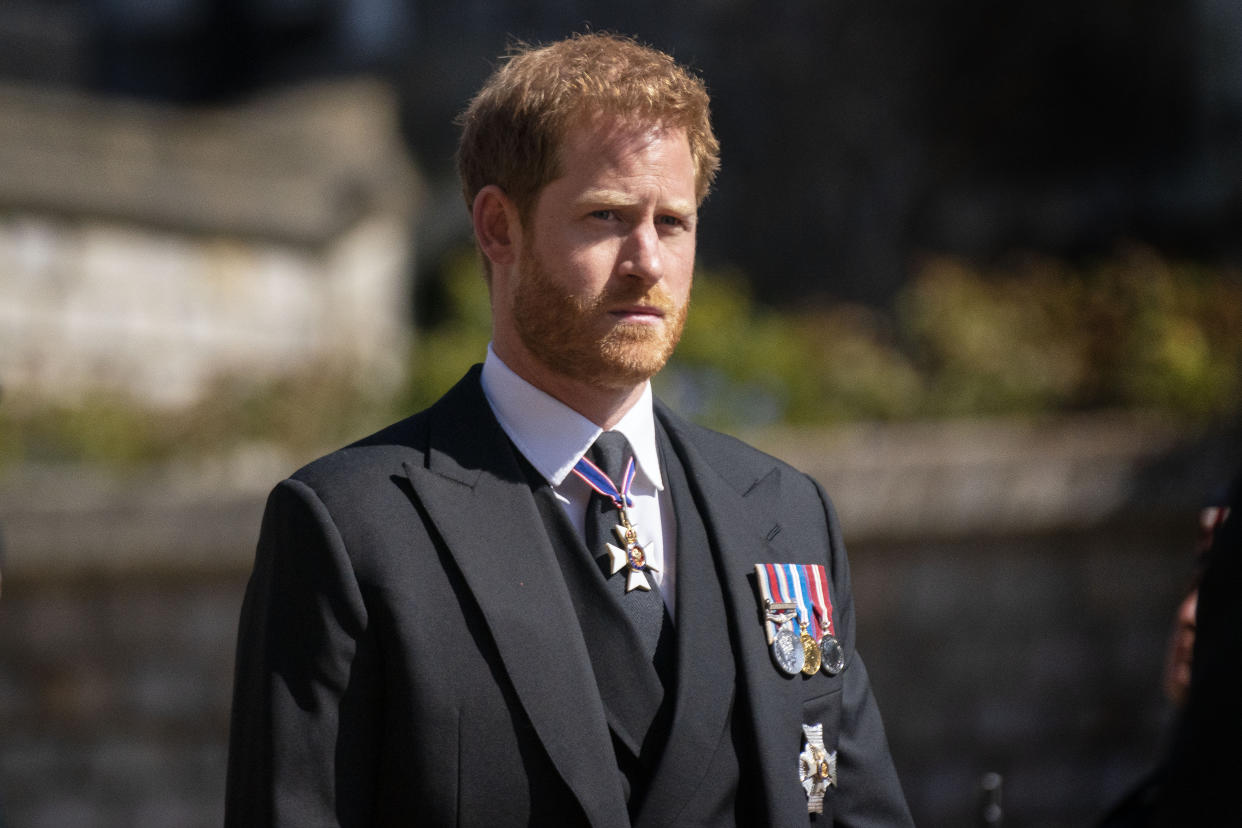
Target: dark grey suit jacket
408	651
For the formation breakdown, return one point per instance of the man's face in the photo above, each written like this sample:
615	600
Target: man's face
603	278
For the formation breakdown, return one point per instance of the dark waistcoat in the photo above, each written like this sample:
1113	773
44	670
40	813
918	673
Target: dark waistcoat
673	730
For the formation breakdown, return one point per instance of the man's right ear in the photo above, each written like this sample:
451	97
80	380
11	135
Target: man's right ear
497	228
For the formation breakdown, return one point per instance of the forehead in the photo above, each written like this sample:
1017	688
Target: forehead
606	147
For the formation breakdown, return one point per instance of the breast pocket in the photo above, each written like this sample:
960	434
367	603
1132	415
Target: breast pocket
825	708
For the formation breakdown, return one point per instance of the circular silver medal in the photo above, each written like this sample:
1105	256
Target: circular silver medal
787	651
832	655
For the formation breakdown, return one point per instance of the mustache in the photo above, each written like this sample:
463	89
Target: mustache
653	296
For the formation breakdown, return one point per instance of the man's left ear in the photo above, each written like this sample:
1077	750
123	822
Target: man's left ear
496	225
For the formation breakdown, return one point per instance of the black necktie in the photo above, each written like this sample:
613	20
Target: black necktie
645	608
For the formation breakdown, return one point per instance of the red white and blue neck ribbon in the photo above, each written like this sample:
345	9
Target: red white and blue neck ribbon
600	482
633	552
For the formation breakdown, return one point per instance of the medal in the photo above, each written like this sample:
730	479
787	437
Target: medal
631	554
787	619
787	652
787	649
810	654
832	655
779	615
806	617
817	768
796	609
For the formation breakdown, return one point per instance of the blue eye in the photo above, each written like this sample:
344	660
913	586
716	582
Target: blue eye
673	221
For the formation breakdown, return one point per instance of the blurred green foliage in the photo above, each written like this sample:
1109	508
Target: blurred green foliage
303	414
1031	336
743	364
1136	331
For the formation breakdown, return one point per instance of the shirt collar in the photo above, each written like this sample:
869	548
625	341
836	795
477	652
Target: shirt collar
552	436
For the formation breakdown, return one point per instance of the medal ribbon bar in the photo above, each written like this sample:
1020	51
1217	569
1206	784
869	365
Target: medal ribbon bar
805	586
808	599
822	598
775	597
791	584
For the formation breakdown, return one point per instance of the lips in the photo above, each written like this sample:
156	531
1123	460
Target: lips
653	306
640	312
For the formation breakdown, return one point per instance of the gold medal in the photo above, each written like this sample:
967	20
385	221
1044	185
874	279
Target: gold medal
811	655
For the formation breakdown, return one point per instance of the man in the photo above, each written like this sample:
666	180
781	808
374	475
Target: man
1200	769
480	615
1139	806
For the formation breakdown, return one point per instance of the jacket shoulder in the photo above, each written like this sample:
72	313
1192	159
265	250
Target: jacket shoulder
384	451
387	450
735	460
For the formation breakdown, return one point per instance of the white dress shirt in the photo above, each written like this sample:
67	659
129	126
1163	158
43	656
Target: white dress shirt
553	437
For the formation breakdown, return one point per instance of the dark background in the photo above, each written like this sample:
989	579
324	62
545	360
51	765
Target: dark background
855	135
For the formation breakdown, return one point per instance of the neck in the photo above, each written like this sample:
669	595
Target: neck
602	405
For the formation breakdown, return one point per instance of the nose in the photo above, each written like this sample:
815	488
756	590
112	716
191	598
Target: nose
641	254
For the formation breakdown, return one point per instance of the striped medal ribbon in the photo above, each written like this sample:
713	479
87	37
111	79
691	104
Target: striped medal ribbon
780	617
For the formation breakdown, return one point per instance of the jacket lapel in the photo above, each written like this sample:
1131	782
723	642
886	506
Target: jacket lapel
476	496
739	525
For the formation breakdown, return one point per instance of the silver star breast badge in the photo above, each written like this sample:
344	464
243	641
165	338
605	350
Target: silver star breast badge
817	768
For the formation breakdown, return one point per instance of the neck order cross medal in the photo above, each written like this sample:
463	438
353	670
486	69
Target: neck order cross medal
630	554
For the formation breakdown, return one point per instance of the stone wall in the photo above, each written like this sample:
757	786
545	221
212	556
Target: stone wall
114	698
149	249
